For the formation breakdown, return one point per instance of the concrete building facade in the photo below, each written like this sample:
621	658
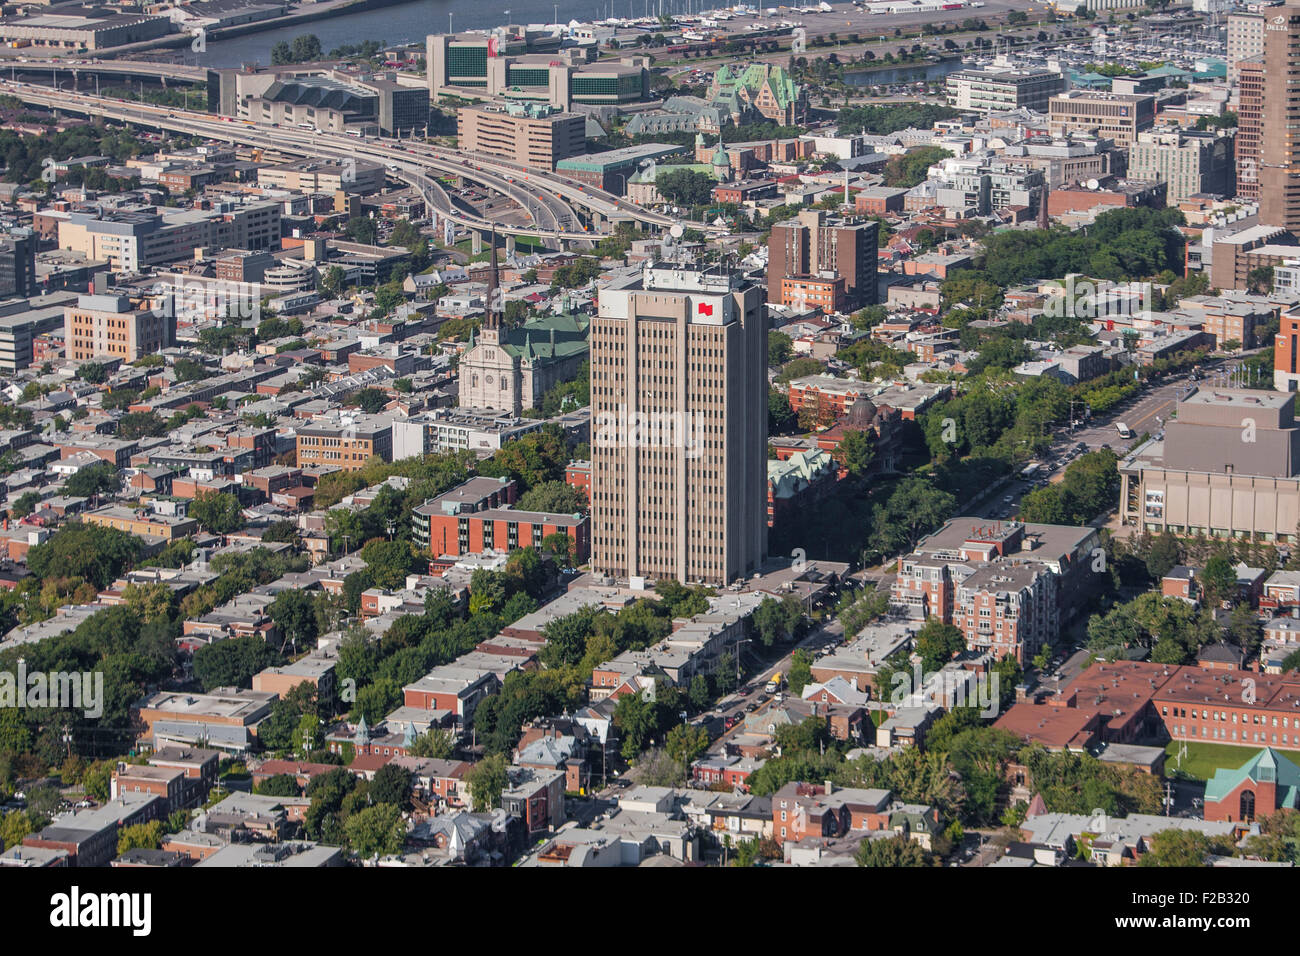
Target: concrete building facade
678	394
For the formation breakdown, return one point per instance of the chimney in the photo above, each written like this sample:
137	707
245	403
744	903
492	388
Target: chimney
830	786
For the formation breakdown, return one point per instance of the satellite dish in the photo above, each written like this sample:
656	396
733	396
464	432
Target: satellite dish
676	231
1093	184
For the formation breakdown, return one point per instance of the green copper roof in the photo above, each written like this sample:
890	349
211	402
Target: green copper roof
1267	766
547	338
758	75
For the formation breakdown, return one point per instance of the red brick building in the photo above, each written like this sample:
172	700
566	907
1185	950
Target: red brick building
1266	783
473	518
577	474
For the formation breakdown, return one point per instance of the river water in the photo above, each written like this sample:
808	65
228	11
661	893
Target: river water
928	72
412	22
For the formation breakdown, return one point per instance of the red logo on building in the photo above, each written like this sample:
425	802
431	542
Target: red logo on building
706	309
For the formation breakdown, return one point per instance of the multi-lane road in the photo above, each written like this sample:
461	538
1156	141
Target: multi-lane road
560	209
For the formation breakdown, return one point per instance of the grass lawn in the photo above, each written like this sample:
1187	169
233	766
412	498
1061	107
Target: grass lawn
1203	759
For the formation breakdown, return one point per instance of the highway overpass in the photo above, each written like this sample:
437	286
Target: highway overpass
556	205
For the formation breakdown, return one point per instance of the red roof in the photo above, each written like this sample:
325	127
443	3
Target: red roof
367	763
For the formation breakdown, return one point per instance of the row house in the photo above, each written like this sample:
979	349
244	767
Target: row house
453	688
801	810
1281	593
436	780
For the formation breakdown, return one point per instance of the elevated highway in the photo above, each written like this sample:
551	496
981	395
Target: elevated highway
562	212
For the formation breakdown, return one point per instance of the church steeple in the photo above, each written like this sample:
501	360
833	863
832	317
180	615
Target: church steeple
493	318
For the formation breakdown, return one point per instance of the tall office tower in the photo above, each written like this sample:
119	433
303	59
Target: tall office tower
679	434
1250	117
1279	151
812	244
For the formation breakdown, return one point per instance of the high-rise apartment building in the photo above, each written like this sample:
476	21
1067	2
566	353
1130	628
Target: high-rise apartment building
1250	124
814	245
1245	40
111	326
1279	151
679	399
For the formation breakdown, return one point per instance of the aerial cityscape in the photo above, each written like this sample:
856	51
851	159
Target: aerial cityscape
845	435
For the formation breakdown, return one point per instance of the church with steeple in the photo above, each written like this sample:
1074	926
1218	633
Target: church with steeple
511	368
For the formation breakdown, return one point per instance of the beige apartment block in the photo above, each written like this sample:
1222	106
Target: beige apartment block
109	326
534	135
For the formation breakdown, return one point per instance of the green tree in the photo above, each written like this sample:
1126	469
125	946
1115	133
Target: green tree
389	562
858	451
305	48
233	662
279	785
392	784
684	743
436	743
938	643
685	187
376	830
1182	848
780	417
1219	579
486	780
217	512
362	229
25	504
561	547
1163	556
294	615
778	620
79	550
99	479
331	281
140	836
14	826
891	851
914	509
780	348
553	497
800	675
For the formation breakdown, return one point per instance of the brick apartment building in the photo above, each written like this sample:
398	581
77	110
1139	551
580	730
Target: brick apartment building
1007	585
476	516
348	444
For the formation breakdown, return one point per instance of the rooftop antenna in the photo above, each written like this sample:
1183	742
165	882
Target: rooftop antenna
674	233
